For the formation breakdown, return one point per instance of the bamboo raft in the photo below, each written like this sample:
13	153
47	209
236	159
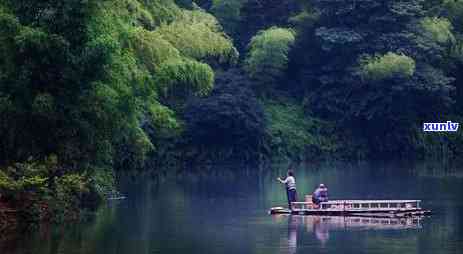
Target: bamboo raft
361	208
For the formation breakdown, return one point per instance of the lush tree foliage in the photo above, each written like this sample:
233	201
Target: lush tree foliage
259	15
197	34
437	29
295	136
453	11
180	78
267	59
228	12
90	82
398	53
388	66
228	124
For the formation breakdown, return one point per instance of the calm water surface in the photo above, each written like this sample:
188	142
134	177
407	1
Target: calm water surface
225	211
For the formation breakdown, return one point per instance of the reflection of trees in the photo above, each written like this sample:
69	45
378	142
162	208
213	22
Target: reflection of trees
71	238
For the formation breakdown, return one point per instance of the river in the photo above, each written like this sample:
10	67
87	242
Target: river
223	209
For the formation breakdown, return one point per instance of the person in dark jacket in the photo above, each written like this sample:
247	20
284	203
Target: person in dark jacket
290	183
320	194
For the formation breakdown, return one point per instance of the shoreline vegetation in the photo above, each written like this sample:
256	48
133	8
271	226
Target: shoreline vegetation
89	89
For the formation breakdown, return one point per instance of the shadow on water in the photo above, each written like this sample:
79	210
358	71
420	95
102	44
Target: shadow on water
223	209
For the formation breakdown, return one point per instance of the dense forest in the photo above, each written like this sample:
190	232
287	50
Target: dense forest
91	88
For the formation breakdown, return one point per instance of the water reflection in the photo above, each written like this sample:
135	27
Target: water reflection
321	226
292	234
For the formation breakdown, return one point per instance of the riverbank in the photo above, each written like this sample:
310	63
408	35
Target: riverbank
44	191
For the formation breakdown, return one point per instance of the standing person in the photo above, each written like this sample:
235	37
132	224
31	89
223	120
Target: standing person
290	183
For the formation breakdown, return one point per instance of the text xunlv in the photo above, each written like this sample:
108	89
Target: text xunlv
449	126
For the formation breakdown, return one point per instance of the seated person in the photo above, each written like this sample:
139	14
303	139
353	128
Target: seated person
320	194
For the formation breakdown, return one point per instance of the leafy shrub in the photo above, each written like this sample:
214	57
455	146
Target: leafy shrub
228	12
387	66
305	19
437	29
288	128
68	191
103	180
162	121
40	188
44	104
337	37
267	58
27	177
198	35
454	11
5	104
294	134
150	48
184	77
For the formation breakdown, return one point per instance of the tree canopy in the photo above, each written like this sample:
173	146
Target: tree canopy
267	59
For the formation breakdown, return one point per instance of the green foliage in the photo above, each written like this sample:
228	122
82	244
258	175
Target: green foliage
305	19
456	51
103	180
257	15
150	49
9	25
44	104
196	34
183	77
294	135
82	79
288	128
5	104
229	124
143	64
147	14
267	58
387	66
11	187
438	29
228	12
454	11
69	189
164	121
28	177
438	146
384	95
40	188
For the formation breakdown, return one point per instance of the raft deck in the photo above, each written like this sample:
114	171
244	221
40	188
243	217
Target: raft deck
377	208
